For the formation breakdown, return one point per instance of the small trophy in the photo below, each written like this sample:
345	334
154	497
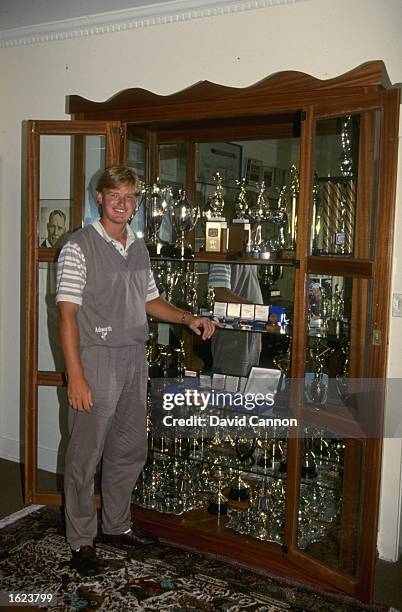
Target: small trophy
240	231
216	226
218	503
183	216
258	213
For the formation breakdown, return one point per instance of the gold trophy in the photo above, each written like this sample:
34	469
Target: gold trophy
240	231
216	226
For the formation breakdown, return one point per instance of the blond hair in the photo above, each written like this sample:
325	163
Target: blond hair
115	176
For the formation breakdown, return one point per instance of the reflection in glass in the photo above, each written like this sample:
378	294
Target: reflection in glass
52	437
326	498
136	160
335	185
249	165
187	285
50	357
69	170
173	165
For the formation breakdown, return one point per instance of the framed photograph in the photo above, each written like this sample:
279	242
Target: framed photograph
222	157
54	222
254	170
268	176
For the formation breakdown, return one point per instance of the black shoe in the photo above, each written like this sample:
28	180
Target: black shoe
86	562
131	538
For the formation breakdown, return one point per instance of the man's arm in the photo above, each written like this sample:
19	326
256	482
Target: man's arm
78	391
164	311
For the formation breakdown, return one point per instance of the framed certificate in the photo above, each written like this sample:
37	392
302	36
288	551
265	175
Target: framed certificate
233	310
220	309
218	381
247	311
261	312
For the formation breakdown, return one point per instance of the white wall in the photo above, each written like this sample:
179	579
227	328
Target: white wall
321	37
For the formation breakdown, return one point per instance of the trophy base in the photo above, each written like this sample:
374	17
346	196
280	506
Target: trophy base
309	471
239	494
287	254
283	467
167	250
218	509
186	252
153	249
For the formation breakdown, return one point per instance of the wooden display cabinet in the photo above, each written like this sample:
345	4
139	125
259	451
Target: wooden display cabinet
343	250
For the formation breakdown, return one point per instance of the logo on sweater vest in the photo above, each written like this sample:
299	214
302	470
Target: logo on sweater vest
103	331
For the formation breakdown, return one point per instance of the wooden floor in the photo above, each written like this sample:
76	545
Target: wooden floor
388	585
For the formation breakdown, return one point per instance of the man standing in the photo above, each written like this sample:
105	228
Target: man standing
105	291
235	352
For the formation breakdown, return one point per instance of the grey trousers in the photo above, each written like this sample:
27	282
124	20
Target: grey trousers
114	431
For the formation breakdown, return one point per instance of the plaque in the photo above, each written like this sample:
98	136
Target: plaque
247	311
233	310
220	309
261	312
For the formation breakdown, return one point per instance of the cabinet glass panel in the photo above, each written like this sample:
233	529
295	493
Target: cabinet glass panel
173	165
136	159
136	156
256	332
50	357
241	481
330	498
254	180
52	437
69	168
345	184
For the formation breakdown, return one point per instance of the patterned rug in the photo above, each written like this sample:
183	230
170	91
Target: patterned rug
34	558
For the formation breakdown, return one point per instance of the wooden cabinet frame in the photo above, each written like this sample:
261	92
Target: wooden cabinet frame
205	112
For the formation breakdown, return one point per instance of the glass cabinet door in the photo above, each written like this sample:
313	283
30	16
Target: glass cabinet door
65	159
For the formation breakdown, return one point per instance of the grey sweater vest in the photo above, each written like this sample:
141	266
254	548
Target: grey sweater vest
113	302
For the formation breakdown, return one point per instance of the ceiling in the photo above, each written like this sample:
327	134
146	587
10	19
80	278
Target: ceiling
23	13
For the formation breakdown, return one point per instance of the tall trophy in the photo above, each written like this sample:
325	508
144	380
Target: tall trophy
156	205
339	200
216	226
183	216
258	213
288	204
240	231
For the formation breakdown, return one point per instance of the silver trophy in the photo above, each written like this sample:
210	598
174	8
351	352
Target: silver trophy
184	216
156	206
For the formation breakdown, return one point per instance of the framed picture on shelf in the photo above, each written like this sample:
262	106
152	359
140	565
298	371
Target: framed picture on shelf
253	170
222	157
54	222
268	176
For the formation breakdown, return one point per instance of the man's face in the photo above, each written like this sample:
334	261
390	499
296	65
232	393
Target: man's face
119	204
55	229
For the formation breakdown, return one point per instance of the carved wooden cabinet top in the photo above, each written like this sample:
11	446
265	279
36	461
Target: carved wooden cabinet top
287	89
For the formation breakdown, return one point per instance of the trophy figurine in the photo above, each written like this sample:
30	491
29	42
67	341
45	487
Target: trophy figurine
183	216
218	503
258	213
240	231
216	226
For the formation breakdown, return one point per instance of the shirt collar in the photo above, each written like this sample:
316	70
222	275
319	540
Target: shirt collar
101	230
